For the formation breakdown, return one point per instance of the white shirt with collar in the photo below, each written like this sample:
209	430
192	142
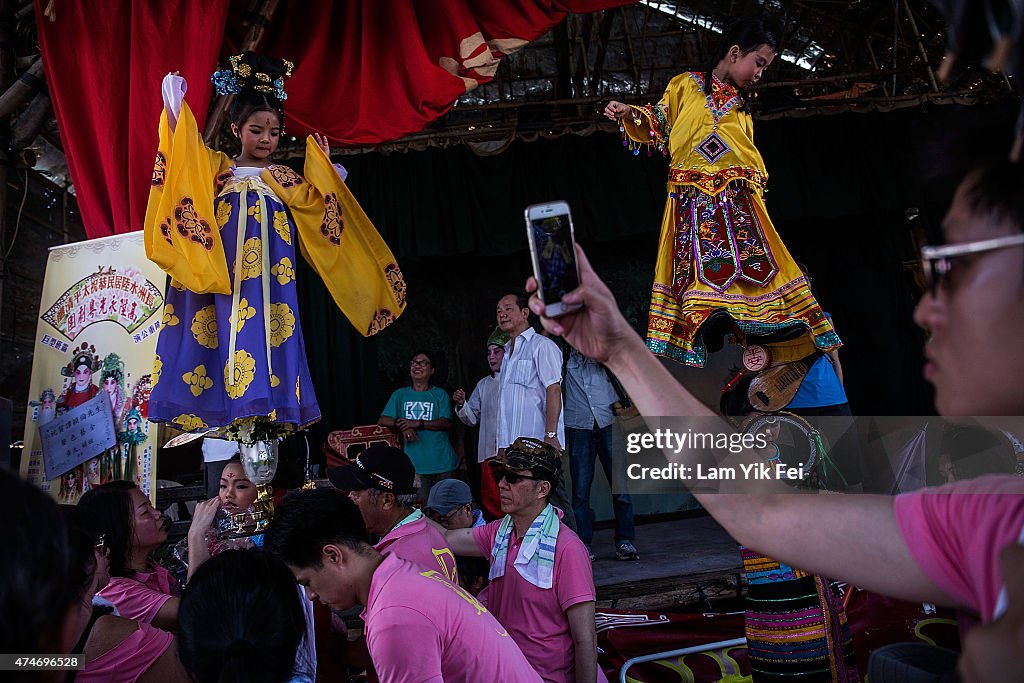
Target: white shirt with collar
482	408
526	372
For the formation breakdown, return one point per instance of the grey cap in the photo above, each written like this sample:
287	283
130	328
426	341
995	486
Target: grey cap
448	494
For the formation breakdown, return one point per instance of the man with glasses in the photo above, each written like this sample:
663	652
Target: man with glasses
422	415
451	505
381	484
956	550
542	587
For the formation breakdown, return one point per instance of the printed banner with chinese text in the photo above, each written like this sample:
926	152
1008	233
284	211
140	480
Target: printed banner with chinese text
98	321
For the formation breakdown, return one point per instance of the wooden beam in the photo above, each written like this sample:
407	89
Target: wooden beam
251	42
563	68
629	52
604	32
29	83
7	58
31	121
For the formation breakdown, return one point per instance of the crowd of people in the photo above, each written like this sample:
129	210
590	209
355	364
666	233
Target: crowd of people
503	590
84	580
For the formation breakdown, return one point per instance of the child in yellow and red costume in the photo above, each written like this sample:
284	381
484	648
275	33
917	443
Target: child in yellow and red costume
226	231
718	250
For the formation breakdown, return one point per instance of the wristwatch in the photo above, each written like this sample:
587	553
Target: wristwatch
551	435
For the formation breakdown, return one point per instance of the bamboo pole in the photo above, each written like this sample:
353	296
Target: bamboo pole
31	121
7	41
29	83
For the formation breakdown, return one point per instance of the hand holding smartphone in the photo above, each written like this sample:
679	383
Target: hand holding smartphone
553	251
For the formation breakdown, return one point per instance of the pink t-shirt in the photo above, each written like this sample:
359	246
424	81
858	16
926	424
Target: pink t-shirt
956	539
422	544
420	629
141	595
535	617
129	659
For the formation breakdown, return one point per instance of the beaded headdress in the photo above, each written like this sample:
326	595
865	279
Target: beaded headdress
83	355
112	366
136	435
249	71
498	337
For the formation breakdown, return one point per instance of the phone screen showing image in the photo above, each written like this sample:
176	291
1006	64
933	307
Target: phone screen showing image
556	256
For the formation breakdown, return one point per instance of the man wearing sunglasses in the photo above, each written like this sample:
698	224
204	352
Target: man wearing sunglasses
542	586
961	550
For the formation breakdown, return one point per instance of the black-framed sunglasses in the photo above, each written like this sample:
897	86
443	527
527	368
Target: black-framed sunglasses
937	261
419	363
513	478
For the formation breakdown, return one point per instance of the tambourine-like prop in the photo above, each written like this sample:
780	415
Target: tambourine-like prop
820	472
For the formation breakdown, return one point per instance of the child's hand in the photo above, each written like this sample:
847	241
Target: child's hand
615	110
321	141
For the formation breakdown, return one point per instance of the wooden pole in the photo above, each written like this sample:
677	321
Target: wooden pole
29	83
251	42
31	121
7	39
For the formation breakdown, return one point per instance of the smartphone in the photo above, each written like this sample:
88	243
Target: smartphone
553	250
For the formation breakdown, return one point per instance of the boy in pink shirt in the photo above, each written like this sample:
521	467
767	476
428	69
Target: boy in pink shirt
542	584
419	626
381	482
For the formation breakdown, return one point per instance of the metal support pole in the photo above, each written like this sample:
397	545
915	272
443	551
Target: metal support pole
920	47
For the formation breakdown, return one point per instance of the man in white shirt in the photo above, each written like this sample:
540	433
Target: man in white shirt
482	409
530	389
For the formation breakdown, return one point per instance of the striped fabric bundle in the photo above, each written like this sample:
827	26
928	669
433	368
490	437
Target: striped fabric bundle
795	625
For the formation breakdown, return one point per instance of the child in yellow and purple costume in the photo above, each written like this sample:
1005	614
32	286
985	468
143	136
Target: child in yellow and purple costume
227	232
718	250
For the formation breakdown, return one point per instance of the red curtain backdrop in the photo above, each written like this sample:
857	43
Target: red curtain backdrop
366	72
103	62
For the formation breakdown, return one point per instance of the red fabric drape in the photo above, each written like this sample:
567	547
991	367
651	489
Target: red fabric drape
369	72
366	72
103	62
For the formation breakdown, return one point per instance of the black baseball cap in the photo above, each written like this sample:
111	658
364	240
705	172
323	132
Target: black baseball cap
380	467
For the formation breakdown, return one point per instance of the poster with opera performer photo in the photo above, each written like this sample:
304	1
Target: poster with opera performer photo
101	310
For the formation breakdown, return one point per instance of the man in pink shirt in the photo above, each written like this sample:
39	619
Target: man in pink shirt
381	482
542	585
419	626
931	546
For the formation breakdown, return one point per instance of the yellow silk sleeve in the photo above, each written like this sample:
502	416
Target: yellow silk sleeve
340	242
652	124
180	232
